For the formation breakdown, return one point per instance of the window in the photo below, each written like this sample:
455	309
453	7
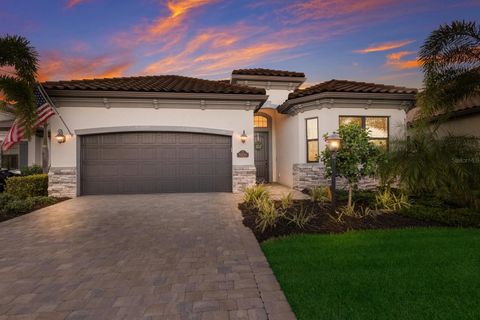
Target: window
260	122
378	127
10	158
312	139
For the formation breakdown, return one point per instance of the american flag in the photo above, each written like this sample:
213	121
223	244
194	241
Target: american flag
44	112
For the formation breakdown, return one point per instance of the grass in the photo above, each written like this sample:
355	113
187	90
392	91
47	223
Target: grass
420	273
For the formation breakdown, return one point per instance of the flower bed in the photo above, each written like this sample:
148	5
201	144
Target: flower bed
13	206
323	221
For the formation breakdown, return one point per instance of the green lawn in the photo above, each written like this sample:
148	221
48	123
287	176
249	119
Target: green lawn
395	274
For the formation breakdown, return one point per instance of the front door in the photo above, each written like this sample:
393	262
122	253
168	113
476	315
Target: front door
261	156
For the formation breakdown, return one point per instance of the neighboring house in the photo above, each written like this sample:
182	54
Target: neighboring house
22	154
464	120
176	134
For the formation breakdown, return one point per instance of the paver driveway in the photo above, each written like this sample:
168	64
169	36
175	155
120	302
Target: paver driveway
177	256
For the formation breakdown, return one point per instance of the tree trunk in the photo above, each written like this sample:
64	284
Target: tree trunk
350	191
45	155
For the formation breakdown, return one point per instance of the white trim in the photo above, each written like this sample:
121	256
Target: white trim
81	132
118	102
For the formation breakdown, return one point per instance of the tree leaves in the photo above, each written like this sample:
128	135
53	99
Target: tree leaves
18	89
450	59
357	157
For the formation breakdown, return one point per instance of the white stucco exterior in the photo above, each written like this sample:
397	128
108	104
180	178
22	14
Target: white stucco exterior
78	118
291	132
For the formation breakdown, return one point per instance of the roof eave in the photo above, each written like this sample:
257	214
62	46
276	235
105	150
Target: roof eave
155	95
288	104
268	78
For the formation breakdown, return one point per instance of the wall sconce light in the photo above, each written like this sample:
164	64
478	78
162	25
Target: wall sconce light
243	137
60	136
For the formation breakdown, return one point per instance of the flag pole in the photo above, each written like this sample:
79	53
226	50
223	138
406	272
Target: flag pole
45	95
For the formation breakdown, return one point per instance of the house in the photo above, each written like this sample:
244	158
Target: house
463	120
169	133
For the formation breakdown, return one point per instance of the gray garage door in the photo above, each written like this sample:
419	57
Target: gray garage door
155	162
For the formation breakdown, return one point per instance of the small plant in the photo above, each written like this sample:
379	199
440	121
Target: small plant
347	211
28	171
267	213
286	201
300	218
388	201
320	194
254	193
367	212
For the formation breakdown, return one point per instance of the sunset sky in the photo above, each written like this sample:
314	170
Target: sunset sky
371	40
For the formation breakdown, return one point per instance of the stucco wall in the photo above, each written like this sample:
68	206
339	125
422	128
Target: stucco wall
288	147
291	137
65	155
466	125
328	120
275	98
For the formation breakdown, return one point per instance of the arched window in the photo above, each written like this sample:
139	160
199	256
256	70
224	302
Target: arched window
260	122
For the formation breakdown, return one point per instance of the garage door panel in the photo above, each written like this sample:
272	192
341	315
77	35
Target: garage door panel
165	138
167	153
93	170
151	162
108	139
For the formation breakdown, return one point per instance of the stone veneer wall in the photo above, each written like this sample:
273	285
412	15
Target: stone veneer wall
242	177
307	175
62	182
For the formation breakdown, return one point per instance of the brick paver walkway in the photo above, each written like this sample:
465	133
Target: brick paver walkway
178	256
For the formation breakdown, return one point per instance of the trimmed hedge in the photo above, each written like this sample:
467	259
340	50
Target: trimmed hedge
13	206
28	171
28	186
456	217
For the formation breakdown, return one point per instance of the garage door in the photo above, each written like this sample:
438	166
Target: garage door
155	162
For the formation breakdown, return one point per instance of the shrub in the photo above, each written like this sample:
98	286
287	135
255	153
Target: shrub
12	205
457	217
18	206
286	201
320	194
28	171
387	200
300	218
444	166
267	213
28	186
5	198
254	193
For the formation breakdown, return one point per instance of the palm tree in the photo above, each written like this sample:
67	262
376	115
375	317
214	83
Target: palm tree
19	65
450	59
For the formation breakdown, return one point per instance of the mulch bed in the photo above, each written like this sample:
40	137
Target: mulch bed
325	222
8	216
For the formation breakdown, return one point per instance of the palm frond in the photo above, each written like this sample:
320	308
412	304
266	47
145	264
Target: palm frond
17	51
20	96
450	59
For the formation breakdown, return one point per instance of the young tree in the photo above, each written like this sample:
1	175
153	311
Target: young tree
356	159
450	59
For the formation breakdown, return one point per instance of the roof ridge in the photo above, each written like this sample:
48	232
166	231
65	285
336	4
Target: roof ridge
153	83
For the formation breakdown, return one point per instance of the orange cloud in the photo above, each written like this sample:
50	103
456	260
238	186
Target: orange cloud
73	3
216	50
394	60
324	9
385	46
178	12
56	66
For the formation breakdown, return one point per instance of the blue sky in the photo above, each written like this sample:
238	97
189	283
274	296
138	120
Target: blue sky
371	40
